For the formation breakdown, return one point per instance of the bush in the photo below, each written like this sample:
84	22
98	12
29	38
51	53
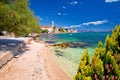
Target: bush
105	64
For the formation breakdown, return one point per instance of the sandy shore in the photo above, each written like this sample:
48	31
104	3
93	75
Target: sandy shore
34	64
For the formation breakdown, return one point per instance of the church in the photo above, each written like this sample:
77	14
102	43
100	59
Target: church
49	28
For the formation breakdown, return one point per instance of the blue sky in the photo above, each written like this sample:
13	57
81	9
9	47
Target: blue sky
78	14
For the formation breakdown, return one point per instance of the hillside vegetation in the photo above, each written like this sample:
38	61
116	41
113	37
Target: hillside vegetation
17	18
105	64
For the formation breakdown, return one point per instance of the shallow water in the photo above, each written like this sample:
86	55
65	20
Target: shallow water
69	58
90	38
79	42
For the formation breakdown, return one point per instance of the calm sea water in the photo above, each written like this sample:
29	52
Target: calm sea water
69	58
90	38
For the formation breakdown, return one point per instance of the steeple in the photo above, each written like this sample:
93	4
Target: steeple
53	24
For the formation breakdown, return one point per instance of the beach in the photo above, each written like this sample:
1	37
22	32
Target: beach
36	63
40	60
68	48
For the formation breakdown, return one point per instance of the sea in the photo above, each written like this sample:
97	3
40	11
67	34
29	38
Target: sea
69	58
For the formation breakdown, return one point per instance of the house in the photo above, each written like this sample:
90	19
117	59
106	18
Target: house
50	29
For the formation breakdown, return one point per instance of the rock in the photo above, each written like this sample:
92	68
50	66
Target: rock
62	45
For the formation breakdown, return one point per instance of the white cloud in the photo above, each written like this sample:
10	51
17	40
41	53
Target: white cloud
64	7
95	22
73	26
110	1
76	26
66	27
39	18
59	13
73	3
87	24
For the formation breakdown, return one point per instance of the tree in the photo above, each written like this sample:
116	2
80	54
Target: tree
66	30
45	31
61	29
84	70
17	18
54	28
105	64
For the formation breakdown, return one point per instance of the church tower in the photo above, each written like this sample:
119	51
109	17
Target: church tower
53	24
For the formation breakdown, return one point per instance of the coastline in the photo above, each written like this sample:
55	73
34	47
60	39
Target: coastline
67	66
68	57
54	69
34	64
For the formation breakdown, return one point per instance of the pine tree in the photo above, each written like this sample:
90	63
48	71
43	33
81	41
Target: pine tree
106	60
85	71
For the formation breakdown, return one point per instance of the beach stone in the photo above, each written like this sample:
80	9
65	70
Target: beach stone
71	45
62	45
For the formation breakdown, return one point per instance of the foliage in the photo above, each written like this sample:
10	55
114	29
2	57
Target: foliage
66	30
105	64
45	31
54	27
16	17
61	30
85	70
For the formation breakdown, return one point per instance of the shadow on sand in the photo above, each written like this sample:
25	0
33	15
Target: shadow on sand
16	47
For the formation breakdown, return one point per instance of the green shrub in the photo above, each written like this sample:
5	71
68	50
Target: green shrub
105	63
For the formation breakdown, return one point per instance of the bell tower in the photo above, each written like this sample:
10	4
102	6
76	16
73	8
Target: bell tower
53	24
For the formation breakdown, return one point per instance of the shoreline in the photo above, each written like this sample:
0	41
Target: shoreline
54	66
68	67
36	63
68	58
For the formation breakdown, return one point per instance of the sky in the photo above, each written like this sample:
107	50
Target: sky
99	15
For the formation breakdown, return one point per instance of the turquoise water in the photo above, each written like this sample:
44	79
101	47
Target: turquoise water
69	58
90	38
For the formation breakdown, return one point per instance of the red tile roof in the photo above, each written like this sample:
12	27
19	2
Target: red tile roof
46	27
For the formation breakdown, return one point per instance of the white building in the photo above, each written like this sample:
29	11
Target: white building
50	29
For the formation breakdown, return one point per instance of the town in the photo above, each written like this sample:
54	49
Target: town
53	29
